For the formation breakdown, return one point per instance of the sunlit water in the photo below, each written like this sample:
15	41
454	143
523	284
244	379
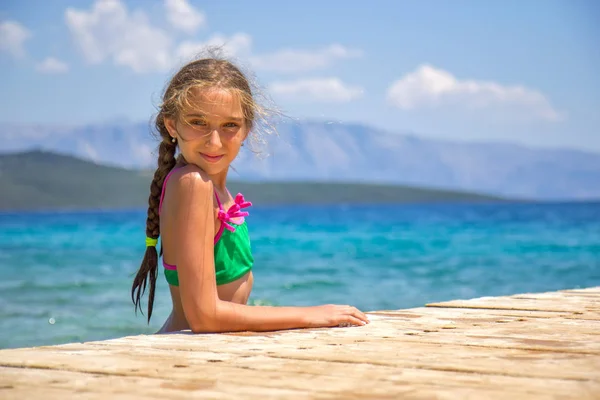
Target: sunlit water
67	276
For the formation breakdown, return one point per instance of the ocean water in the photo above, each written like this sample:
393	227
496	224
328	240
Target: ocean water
66	277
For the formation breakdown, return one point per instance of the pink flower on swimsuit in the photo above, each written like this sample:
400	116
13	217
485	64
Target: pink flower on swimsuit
231	214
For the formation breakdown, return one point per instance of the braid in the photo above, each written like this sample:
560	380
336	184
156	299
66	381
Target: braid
149	266
166	162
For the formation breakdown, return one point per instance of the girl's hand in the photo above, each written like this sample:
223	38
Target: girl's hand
334	315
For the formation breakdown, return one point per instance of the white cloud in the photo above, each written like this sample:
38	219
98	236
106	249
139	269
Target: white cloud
329	90
287	61
428	87
181	15
293	60
109	31
236	45
52	65
12	38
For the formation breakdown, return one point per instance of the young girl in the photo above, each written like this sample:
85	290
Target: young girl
207	113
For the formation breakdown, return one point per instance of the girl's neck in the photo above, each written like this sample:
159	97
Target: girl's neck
219	181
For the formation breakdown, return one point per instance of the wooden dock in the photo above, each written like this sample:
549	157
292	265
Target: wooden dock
528	346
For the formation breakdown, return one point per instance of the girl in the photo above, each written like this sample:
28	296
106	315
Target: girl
208	111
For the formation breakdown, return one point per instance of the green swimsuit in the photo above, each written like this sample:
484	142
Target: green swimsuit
233	252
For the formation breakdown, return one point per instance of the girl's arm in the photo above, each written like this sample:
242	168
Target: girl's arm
194	251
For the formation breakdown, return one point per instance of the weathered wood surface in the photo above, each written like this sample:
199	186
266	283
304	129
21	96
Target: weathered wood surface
528	346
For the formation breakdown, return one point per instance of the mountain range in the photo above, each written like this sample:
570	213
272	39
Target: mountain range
322	151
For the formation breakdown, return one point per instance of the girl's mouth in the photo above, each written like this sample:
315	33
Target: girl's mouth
210	158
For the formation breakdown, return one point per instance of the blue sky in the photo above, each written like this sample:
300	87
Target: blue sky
524	72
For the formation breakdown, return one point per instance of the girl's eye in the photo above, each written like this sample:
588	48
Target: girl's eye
231	125
198	123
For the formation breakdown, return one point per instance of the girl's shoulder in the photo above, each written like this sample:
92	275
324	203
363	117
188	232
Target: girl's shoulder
186	184
190	174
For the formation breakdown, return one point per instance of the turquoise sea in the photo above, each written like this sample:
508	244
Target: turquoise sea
66	276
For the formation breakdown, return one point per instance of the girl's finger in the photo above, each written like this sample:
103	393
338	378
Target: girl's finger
351	320
360	315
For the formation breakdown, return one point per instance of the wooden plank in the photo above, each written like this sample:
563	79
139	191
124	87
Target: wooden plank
519	304
452	318
103	390
583	292
563	301
575	292
417	312
593	289
260	374
489	313
504	336
500	336
528	304
121	386
524	346
434	312
425	356
20	392
570	297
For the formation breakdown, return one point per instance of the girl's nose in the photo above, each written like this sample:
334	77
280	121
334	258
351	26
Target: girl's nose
214	139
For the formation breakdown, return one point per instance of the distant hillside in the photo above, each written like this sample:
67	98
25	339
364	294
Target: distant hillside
45	180
320	151
37	179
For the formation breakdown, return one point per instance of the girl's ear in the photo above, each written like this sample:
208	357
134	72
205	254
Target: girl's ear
171	127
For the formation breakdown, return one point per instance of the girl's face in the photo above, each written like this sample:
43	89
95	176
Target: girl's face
210	130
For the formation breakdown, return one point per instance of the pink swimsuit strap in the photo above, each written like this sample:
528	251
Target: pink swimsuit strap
224	216
164	186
